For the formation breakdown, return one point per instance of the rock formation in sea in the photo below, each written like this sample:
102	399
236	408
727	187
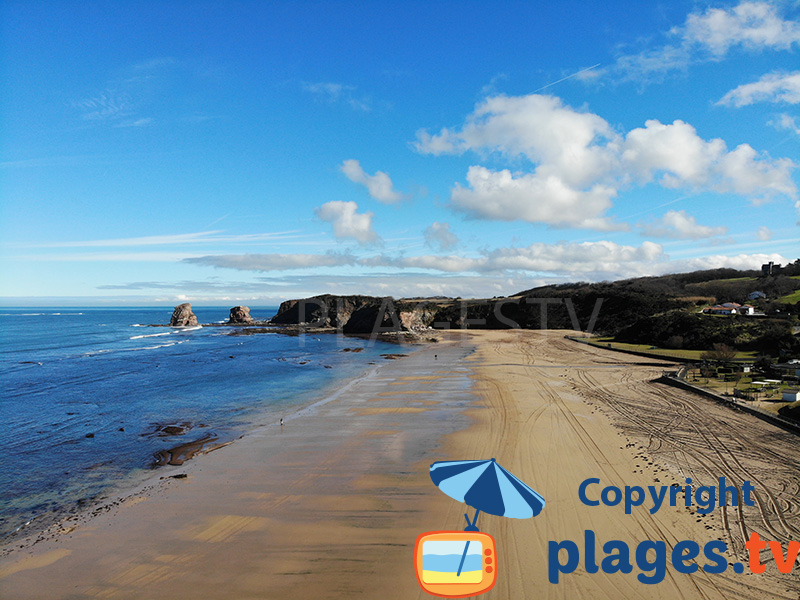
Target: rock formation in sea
183	316
240	315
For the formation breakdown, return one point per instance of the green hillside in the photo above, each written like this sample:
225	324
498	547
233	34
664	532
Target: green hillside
665	311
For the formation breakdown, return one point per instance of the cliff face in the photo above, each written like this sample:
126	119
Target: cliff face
369	314
240	315
183	316
322	311
358	314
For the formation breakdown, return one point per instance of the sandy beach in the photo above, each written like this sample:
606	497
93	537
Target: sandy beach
330	504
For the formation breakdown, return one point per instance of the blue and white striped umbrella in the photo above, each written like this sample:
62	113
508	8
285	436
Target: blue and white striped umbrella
487	487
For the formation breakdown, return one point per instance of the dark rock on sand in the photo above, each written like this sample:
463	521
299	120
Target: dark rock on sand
183	316
183	452
240	315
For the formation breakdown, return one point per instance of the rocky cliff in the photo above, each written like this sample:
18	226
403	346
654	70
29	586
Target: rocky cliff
360	314
370	314
326	310
240	315
183	316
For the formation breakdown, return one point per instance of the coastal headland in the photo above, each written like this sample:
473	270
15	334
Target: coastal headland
329	505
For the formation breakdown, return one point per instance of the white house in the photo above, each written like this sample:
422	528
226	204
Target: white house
730	308
791	395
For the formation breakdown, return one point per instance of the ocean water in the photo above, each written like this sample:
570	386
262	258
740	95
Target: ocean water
83	392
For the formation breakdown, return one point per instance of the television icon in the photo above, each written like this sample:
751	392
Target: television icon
455	564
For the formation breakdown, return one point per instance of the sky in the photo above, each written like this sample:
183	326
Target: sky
250	152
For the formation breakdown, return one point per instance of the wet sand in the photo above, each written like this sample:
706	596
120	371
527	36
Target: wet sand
329	505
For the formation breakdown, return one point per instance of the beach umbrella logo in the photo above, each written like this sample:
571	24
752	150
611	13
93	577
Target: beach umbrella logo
457	564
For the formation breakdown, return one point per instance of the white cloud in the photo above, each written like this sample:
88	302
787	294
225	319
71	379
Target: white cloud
653	64
742	172
753	25
443	142
598	260
772	87
338	92
611	262
500	271
786	122
602	259
201	237
709	35
273	262
577	146
719	261
677	224
440	236
574	153
379	185
580	163
347	223
676	151
502	196
764	234
681	158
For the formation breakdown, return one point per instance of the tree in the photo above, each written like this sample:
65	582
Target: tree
720	353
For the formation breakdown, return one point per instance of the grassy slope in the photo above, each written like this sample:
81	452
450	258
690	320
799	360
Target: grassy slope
608	342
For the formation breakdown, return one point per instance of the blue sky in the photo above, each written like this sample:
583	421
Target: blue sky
249	152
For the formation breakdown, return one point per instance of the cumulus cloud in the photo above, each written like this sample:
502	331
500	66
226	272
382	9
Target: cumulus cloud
379	185
347	222
440	236
752	25
678	157
579	163
577	146
677	224
675	151
502	196
772	87
764	234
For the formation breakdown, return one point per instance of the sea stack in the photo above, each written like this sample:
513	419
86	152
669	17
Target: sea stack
240	315
183	316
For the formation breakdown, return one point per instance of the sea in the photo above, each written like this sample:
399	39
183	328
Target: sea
86	393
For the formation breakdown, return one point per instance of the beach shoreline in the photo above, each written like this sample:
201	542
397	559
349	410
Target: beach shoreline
86	425
305	434
329	505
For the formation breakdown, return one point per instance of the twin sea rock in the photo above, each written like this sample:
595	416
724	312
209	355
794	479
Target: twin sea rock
183	316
